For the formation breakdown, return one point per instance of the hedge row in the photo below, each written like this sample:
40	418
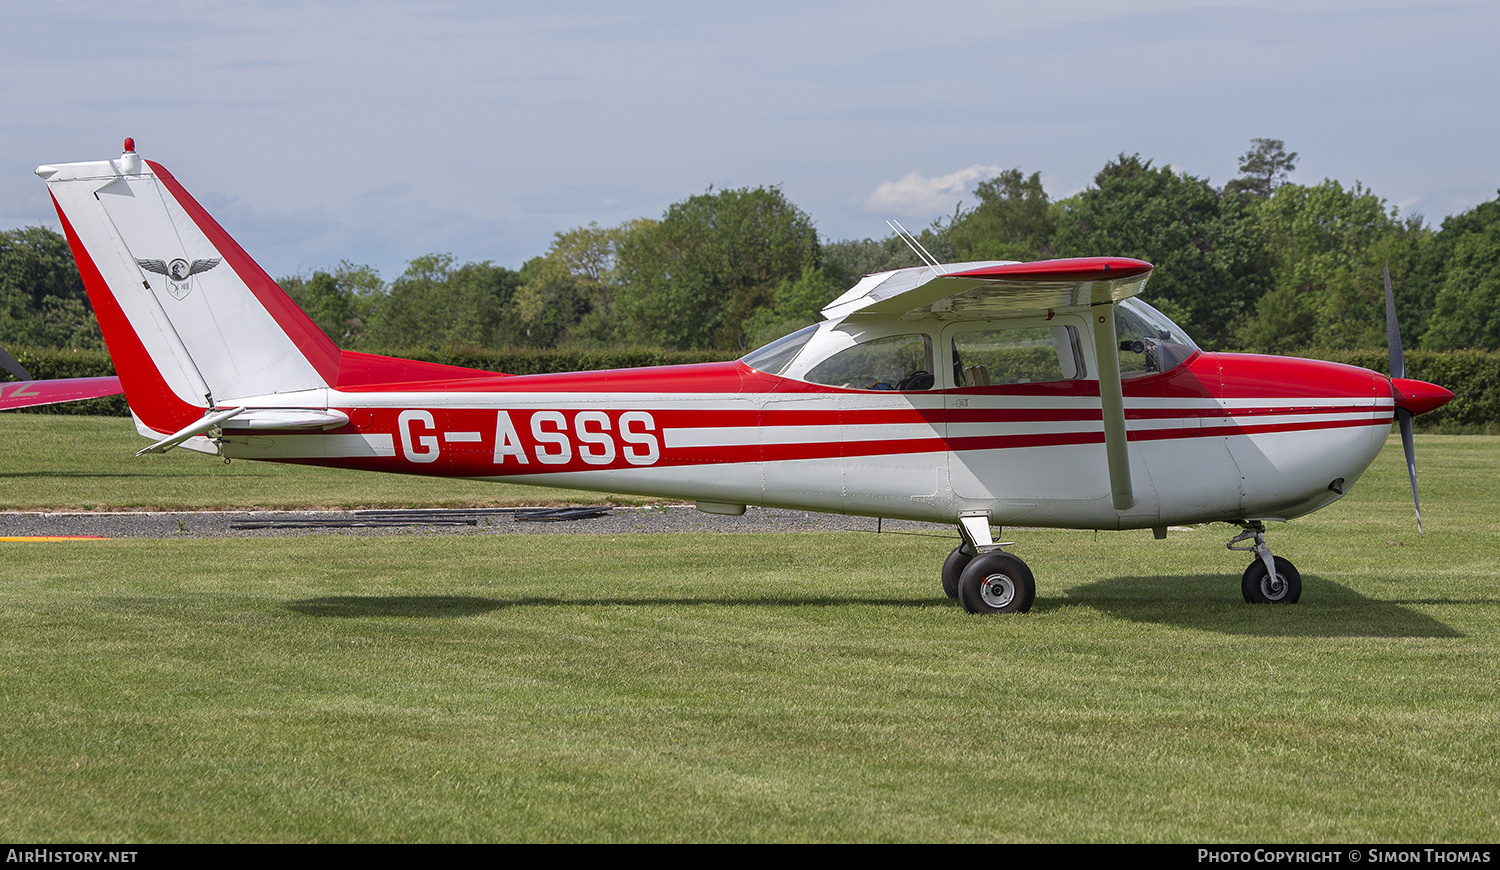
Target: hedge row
49	363
536	362
1473	375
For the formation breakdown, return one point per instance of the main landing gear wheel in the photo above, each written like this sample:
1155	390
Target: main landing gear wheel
996	583
1261	588
953	568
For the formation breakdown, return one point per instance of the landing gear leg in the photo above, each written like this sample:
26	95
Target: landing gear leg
1269	579
974	528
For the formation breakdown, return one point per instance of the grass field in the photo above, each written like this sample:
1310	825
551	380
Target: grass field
761	687
88	463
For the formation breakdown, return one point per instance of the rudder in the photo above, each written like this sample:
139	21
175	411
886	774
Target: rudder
190	319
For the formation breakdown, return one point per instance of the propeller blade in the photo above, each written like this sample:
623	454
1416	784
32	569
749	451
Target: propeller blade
1403	419
9	363
1398	370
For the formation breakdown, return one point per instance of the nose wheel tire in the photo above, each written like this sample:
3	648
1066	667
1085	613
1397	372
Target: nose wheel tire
996	583
1261	588
953	568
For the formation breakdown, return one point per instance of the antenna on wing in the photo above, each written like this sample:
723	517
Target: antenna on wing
916	246
9	363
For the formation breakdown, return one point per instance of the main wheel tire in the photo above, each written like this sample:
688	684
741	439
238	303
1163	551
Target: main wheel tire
953	568
1260	588
996	583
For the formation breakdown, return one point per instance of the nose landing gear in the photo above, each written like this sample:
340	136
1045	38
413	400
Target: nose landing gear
1269	579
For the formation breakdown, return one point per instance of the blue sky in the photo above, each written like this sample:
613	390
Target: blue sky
380	131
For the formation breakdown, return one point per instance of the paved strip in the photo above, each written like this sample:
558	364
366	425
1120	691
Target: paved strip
40	539
619	521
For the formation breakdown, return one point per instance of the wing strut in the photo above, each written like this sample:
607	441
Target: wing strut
1112	399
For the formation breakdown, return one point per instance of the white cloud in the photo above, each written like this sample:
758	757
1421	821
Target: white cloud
920	196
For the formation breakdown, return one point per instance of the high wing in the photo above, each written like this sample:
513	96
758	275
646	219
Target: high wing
26	394
993	289
1001	289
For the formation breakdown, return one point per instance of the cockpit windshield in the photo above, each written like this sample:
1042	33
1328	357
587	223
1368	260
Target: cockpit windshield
1149	341
773	357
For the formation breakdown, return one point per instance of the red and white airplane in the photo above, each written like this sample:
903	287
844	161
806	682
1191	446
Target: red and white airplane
977	394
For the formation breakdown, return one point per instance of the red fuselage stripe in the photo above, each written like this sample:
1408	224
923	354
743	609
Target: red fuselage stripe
476	455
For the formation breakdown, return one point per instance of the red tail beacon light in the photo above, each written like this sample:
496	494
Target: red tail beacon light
130	162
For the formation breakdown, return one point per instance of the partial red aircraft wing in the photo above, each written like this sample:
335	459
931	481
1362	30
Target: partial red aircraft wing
25	394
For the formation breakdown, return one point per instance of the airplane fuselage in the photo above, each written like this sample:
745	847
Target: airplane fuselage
1220	437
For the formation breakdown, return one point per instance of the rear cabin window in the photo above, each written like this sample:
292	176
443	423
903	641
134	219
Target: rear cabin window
895	362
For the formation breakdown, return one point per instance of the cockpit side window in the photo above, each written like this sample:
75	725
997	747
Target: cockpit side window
1016	355
893	362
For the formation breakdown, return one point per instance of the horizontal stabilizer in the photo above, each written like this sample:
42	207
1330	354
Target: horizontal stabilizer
253	418
289	418
198	427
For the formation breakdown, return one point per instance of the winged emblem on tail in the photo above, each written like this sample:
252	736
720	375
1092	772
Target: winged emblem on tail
179	272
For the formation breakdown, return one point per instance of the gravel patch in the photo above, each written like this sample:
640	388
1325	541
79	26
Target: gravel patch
507	521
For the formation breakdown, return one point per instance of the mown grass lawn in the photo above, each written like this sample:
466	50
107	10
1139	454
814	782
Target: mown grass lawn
763	687
54	462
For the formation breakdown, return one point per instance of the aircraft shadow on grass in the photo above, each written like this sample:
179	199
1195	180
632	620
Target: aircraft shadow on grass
1195	601
103	475
448	606
77	475
1330	609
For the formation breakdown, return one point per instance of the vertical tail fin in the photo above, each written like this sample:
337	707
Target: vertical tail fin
189	318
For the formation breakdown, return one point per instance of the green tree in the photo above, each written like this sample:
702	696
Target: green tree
433	303
1327	246
1013	220
846	262
1266	166
568	296
1431	275
796	304
1467	300
1207	254
42	300
340	302
692	279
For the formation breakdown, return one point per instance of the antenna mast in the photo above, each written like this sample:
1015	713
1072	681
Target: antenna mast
916	246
